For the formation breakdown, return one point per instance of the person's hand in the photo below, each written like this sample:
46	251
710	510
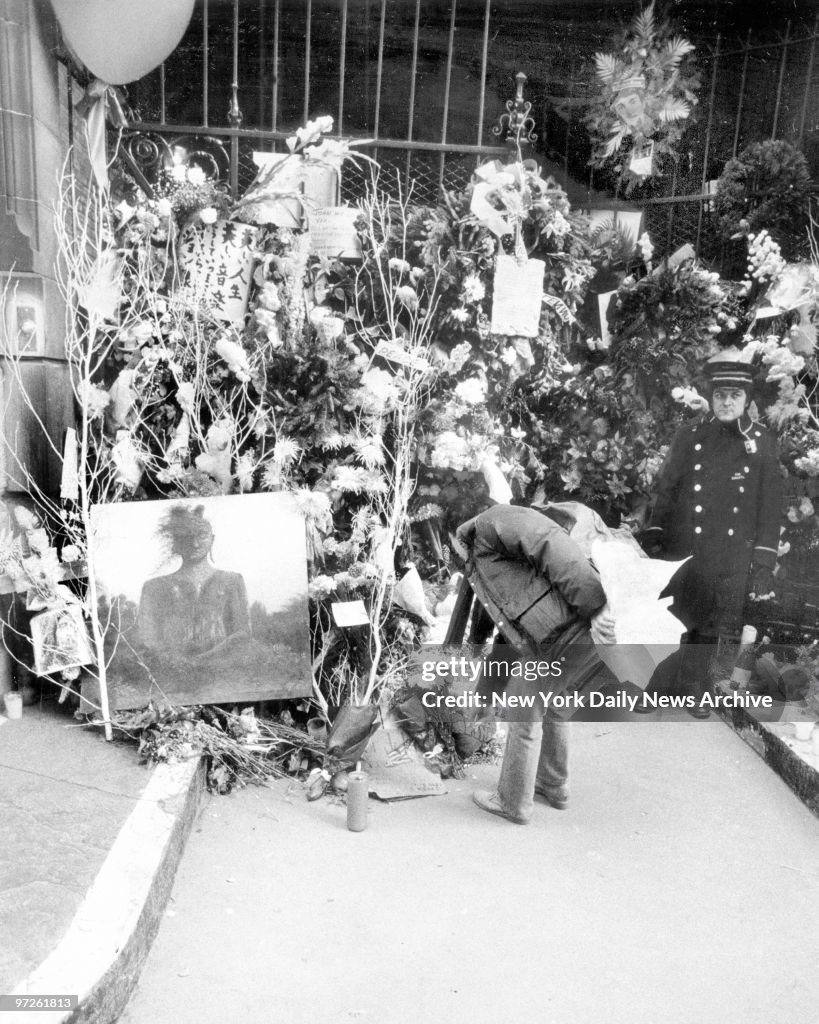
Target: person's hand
602	626
763	584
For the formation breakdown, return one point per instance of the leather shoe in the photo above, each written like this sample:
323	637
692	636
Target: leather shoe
557	796
488	800
698	711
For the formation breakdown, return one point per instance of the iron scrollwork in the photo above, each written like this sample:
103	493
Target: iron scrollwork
517	125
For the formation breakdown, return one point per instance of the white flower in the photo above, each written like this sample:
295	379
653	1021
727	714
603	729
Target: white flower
179	172
244	472
407	296
185	395
321	586
379	391
164	208
399	266
93	400
646	247
458	356
471	391
143	331
38	541
473	289
558	225
510	356
272	476
269	297
208	215
316	507
26	520
235	357
195	175
285	451
459	315
369	451
70	553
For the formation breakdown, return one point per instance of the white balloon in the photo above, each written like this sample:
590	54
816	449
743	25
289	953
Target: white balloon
119	41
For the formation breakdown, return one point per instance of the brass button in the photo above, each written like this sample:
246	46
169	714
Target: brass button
698	466
746	470
697	447
698	508
736	509
742	490
697	487
730	533
697	529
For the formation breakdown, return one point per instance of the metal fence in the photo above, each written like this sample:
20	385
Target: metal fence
373	65
421	81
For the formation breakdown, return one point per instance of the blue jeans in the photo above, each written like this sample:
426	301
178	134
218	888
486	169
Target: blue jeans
536	755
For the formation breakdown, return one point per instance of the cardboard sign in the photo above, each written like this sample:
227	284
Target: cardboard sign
217	262
518	296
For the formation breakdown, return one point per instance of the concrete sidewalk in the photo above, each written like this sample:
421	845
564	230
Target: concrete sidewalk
678	816
89	844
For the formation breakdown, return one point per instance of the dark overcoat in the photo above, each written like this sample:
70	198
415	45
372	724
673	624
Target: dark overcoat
719	499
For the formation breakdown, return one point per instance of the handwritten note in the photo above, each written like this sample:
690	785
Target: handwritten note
518	296
217	261
333	234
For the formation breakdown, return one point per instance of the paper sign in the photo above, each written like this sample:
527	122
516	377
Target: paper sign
217	262
333	234
350	613
642	160
392	351
517	298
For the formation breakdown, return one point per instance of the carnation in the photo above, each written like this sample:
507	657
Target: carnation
285	451
321	586
208	215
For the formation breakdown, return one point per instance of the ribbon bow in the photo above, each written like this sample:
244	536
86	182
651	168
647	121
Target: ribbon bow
100	105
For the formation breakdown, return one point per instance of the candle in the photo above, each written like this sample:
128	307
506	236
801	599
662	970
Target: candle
358	790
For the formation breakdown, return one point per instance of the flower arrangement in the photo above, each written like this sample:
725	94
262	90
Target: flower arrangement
766	188
644	92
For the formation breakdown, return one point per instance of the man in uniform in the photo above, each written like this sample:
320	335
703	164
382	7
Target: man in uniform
719	499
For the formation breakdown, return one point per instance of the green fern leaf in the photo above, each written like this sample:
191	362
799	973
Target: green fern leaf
676	49
606	66
674	110
644	24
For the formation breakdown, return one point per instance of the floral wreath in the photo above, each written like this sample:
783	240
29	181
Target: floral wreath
646	93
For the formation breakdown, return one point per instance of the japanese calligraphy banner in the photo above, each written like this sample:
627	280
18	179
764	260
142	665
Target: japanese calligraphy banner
217	264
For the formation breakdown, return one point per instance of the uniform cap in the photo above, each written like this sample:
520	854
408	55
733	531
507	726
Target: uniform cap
728	368
730	374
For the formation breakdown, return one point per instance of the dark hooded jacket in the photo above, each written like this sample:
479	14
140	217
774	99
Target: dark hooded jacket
534	581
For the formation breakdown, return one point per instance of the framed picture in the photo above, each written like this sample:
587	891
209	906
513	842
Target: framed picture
59	639
203	600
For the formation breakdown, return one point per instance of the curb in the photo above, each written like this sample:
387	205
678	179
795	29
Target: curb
100	957
792	761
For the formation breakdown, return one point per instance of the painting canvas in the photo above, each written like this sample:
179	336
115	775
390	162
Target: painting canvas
203	600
